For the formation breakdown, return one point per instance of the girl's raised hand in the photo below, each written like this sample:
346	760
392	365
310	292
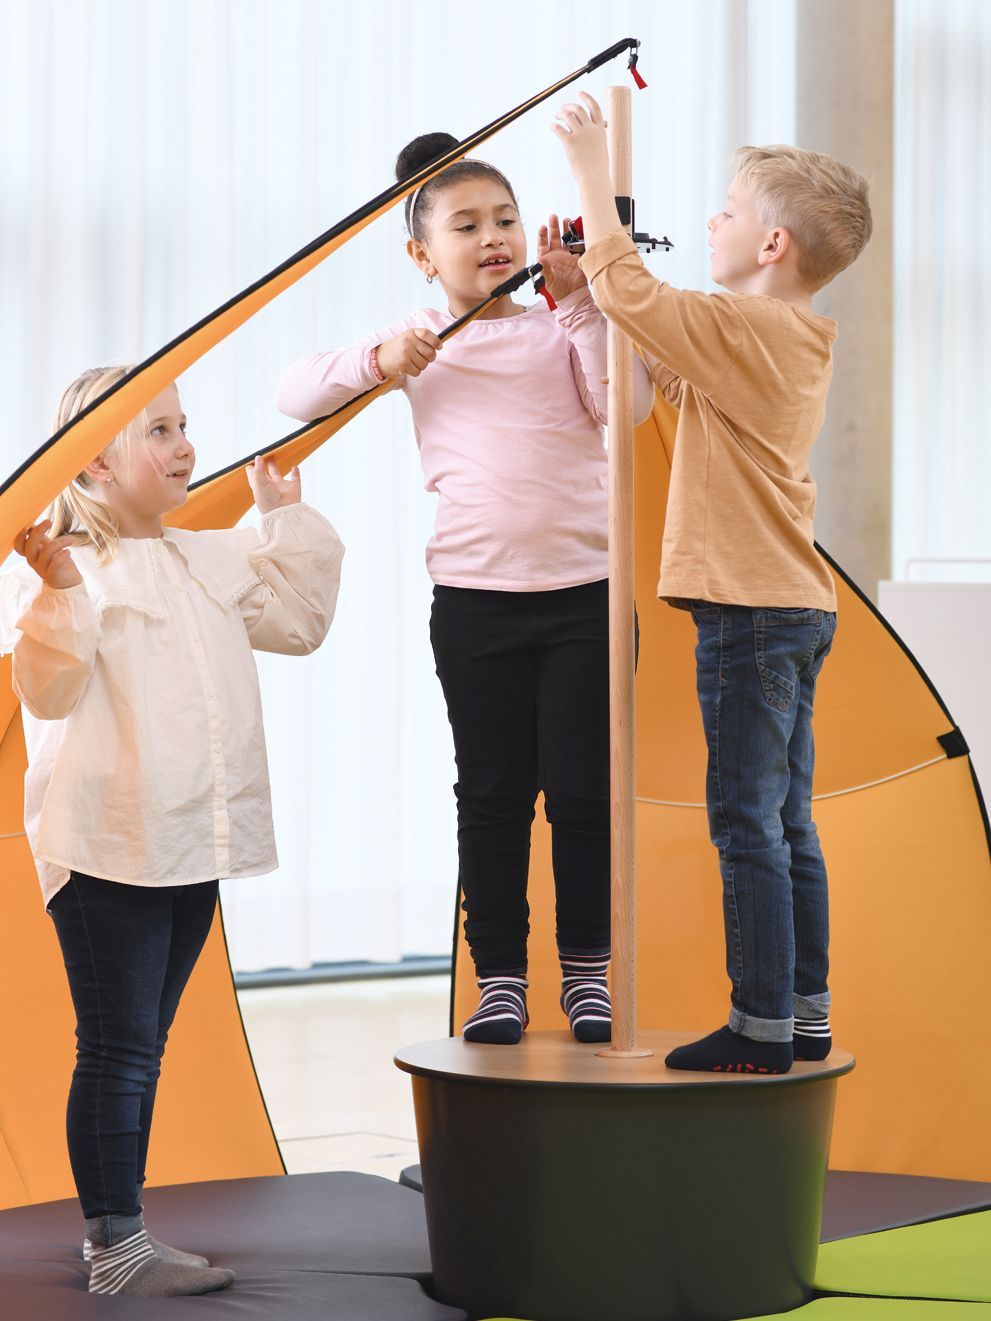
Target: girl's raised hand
48	556
561	270
582	132
408	353
270	489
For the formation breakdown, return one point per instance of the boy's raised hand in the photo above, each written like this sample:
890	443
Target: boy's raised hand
48	556
562	273
270	489
582	132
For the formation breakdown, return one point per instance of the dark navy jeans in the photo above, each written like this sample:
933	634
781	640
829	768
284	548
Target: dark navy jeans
128	951
756	671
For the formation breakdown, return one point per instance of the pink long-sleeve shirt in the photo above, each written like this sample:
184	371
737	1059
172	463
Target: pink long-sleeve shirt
508	420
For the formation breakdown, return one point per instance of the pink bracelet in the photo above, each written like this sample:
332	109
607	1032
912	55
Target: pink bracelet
373	359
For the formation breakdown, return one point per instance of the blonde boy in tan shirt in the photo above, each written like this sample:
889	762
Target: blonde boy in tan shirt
749	371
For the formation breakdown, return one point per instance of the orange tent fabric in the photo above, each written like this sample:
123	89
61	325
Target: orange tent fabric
905	837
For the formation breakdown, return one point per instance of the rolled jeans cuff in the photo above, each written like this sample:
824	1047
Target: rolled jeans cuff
108	1231
761	1029
811	1006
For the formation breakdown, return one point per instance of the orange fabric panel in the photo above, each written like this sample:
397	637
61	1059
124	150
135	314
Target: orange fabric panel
56	466
911	915
210	1120
909	866
222	501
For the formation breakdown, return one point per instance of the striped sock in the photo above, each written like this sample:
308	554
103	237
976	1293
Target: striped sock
585	995
111	1268
162	1250
501	1016
813	1038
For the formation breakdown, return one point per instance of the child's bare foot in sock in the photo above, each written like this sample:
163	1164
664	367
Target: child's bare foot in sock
585	995
813	1038
132	1268
173	1255
726	1051
501	1016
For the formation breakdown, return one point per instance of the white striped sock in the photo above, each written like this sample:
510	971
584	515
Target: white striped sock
111	1268
501	1012
812	1027
585	995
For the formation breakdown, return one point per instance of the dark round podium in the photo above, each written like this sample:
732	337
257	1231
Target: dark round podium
561	1186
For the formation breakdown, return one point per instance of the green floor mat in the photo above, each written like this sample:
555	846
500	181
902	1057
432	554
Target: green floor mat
948	1259
883	1309
869	1309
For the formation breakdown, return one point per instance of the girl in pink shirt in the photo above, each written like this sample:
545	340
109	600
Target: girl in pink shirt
509	424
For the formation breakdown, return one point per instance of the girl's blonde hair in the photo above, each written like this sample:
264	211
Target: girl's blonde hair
74	513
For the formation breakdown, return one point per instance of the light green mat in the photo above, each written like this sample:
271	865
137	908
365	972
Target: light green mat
883	1309
949	1259
870	1309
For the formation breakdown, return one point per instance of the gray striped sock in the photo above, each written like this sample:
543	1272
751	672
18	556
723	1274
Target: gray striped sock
111	1268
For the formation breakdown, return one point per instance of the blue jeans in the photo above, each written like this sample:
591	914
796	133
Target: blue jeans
128	952
756	671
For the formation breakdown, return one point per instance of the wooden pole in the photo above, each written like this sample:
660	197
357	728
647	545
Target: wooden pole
622	712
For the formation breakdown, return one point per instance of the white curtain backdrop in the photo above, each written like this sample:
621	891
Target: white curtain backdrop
942	400
159	155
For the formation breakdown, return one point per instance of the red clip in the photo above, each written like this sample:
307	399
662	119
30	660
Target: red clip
636	72
540	287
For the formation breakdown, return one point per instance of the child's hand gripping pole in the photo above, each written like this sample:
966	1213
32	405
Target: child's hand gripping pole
562	274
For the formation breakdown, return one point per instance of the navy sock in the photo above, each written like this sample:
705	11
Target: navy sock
585	995
813	1038
501	1016
726	1051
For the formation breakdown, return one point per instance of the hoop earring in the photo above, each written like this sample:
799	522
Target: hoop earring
430	279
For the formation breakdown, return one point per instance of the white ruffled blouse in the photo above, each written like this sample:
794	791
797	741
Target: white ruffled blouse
142	713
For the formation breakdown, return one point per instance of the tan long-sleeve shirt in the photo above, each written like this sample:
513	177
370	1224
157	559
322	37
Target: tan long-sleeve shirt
750	375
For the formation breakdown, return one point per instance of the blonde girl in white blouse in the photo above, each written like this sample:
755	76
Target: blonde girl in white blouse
147	778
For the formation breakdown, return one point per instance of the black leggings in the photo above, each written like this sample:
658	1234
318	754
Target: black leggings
526	679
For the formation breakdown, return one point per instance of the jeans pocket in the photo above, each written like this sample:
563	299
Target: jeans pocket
778	689
783	640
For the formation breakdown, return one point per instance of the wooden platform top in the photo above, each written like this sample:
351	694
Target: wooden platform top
555	1059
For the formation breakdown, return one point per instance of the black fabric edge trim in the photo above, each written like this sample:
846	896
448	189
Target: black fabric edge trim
845	577
454	956
954	744
247	1042
865	600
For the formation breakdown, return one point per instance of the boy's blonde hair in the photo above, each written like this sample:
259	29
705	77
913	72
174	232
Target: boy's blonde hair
74	513
821	202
